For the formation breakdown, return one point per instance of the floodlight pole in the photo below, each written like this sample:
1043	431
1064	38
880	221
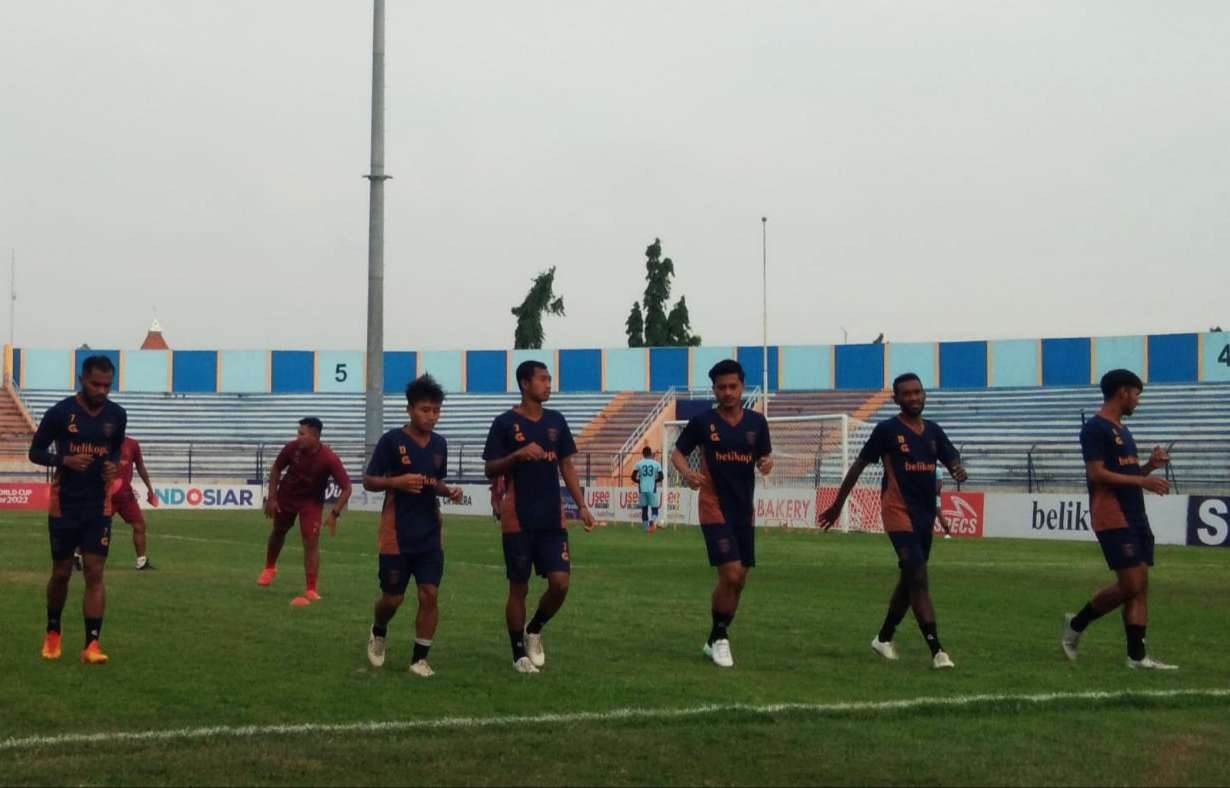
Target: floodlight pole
373	423
764	286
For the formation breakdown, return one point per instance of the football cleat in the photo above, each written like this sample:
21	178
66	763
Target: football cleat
51	645
941	661
300	601
93	655
1149	663
1070	639
375	649
533	649
421	668
312	595
524	665
887	650
266	577
719	652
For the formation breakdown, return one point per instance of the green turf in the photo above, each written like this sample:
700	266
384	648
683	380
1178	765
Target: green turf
197	643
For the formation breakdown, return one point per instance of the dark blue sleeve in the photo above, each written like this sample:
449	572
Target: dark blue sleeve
874	448
48	430
944	450
443	474
497	447
379	464
764	446
1093	442
566	446
691	436
117	439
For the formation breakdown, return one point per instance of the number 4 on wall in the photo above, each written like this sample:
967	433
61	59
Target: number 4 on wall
1224	356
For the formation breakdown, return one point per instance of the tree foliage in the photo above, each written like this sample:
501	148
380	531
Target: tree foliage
660	327
540	300
634	327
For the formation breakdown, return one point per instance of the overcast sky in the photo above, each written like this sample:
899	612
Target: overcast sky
936	170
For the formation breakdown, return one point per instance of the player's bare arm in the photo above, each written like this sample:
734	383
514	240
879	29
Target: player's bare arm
957	471
271	500
830	516
569	472
149	485
407	482
691	478
765	464
1098	473
1158	458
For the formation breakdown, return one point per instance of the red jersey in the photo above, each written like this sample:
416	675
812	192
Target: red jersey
307	474
130	455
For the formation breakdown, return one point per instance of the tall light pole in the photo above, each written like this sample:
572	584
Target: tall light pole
764	289
373	422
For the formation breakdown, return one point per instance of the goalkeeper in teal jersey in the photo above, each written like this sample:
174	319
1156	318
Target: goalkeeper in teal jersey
647	474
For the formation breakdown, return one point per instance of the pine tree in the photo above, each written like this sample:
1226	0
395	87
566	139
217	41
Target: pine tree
635	326
539	300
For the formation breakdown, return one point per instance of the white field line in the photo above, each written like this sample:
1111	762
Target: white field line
612	715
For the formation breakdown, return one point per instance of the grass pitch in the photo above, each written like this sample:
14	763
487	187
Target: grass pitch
196	644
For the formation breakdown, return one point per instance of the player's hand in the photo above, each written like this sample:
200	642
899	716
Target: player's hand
1159	457
959	474
830	517
331	524
765	465
587	517
152	499
455	494
1155	484
694	480
410	482
77	462
272	509
532	451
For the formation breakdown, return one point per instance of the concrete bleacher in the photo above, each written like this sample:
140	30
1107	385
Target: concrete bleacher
211	437
999	431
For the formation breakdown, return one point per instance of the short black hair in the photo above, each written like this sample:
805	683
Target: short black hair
1118	378
424	387
313	423
726	367
646	452
905	377
526	370
99	363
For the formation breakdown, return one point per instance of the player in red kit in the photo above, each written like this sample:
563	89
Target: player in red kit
124	498
308	464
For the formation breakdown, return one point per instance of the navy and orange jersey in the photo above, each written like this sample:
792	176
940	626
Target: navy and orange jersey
1113	506
307	474
532	500
728	457
409	522
907	492
75	430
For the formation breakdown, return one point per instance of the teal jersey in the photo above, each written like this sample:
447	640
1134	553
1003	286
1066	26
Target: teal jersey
647	474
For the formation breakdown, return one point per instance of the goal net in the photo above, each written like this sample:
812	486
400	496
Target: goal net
810	457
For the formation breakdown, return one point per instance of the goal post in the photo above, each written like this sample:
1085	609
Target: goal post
811	455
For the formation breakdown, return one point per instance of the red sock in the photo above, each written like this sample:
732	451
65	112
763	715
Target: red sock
311	581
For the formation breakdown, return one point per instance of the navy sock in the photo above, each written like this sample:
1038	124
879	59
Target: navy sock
539	621
421	647
1084	618
53	619
93	628
518	644
720	622
929	635
380	631
1135	641
889	627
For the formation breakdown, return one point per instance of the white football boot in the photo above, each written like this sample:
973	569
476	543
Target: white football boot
887	650
719	652
1070	640
375	650
524	665
533	649
941	661
1149	663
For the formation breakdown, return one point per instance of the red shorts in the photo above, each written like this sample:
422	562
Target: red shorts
124	503
308	514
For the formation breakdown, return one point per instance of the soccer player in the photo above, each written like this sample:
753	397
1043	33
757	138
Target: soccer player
733	442
409	465
647	475
301	493
124	498
909	446
531	446
1117	482
88	431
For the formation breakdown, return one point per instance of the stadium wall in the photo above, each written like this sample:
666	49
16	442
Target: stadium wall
1066	361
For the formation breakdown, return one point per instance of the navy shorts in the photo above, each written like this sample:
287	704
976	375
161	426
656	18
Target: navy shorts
90	532
545	551
426	568
1125	548
913	548
726	543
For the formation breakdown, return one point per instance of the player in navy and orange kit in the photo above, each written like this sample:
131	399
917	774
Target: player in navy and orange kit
733	443
301	493
910	447
532	447
124	497
88	431
409	466
1117	482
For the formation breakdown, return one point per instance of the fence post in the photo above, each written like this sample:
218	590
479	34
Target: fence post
189	463
588	469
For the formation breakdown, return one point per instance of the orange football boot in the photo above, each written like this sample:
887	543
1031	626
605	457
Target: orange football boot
93	655
51	646
267	575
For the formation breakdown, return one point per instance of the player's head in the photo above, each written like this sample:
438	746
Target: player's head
97	373
727	377
424	396
309	432
647	452
1123	387
909	395
534	381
